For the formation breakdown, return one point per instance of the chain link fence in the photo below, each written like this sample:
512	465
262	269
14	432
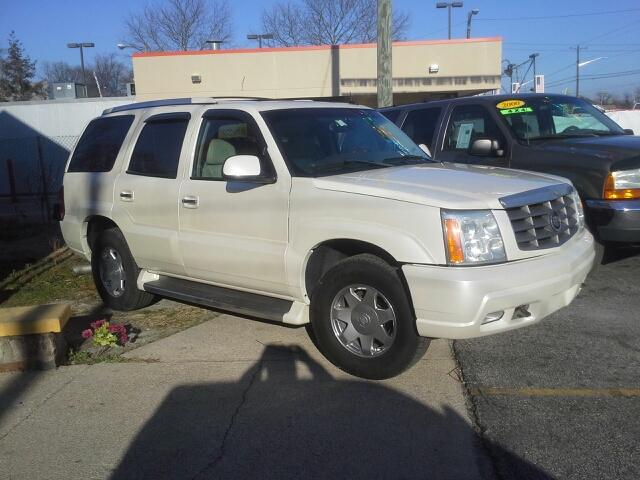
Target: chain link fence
32	170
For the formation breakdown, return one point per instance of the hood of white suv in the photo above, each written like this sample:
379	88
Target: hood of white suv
450	185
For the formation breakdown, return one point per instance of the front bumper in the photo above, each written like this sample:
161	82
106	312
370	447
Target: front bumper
453	302
616	221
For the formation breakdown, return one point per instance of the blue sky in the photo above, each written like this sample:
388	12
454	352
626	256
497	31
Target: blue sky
549	27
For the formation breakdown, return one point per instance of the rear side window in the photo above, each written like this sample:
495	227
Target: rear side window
391	114
100	143
157	151
420	125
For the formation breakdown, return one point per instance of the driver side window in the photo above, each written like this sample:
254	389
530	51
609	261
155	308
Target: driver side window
220	138
468	123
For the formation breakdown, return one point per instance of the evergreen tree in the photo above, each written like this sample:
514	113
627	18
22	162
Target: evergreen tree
16	72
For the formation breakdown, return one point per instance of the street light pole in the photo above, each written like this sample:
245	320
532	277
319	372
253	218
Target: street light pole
578	48
471	14
80	46
448	6
533	59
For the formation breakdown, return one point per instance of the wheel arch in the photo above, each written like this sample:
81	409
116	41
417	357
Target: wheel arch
95	225
330	252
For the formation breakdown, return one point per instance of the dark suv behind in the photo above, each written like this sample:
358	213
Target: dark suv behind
556	134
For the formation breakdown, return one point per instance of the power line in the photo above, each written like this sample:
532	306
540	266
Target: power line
593	77
556	16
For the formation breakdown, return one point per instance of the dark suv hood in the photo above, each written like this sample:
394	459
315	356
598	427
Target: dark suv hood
623	151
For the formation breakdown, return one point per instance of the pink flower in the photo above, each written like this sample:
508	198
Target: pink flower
98	323
119	329
88	333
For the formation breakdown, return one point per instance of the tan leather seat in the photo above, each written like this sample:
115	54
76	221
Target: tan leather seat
217	152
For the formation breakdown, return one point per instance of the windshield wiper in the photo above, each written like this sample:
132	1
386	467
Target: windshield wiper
409	159
346	163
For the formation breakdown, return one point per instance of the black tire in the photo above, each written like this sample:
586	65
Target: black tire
375	336
115	273
599	245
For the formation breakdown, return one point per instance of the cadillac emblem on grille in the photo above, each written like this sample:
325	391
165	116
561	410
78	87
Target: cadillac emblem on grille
555	221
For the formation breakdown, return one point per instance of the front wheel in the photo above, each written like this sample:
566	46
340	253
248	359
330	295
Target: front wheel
115	273
599	244
362	321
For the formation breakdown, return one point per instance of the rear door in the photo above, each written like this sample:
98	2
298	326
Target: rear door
146	192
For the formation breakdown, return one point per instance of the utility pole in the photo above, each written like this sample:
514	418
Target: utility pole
385	74
577	49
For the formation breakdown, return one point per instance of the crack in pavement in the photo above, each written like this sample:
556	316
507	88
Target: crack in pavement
212	465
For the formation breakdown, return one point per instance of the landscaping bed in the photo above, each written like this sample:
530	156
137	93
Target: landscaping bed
36	269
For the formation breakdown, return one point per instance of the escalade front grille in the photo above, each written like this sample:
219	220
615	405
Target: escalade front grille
549	218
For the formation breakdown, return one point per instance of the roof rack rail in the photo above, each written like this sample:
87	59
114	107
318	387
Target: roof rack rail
178	101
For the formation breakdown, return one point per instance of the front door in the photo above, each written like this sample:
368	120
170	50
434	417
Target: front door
233	233
466	124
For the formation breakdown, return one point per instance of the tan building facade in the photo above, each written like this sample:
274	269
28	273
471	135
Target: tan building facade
421	70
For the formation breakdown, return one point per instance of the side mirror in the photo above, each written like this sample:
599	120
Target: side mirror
483	147
425	149
628	131
244	168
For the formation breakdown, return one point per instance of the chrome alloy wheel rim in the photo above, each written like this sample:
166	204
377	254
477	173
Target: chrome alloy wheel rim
112	272
363	320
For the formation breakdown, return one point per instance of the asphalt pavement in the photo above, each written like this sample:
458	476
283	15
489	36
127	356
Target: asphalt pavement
237	398
564	394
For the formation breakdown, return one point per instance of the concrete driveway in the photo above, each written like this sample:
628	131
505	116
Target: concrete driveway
237	398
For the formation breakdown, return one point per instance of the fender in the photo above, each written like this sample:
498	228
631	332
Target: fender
402	244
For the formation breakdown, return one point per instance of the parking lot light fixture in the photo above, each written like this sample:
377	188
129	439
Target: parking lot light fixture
81	46
260	37
448	6
471	14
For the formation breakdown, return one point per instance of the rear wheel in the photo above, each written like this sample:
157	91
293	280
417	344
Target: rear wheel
362	321
115	273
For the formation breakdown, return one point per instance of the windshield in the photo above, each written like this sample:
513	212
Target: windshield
533	118
327	141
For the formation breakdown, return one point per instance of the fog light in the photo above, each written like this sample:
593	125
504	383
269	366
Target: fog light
493	317
522	312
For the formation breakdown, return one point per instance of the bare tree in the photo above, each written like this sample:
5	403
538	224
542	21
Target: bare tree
56	72
328	22
111	74
626	101
286	21
173	25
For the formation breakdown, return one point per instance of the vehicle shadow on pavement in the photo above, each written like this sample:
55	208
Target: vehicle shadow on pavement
289	418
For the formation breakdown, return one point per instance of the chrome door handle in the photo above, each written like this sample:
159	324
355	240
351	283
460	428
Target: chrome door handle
126	196
190	202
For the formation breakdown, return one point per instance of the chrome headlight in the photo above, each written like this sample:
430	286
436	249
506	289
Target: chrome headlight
579	210
472	237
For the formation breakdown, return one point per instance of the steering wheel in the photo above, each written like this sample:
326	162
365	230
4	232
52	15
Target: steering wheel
571	128
361	148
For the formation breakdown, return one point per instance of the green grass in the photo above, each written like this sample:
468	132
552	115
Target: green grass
48	280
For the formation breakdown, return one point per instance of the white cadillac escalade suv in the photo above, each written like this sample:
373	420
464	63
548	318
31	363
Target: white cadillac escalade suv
305	212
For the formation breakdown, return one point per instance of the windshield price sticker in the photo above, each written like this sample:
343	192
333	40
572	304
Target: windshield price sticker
510	104
516	110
